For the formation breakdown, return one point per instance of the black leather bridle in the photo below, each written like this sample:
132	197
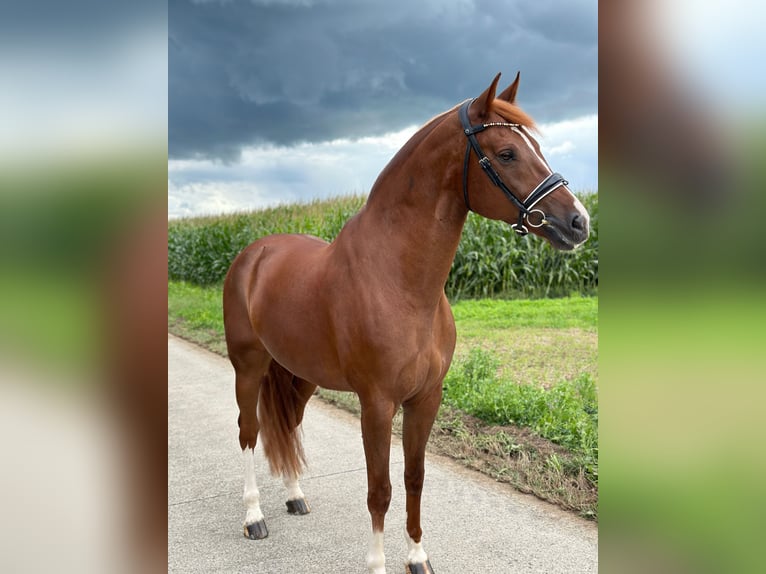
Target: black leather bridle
544	188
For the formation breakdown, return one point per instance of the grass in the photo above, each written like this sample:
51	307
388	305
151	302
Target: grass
520	401
195	313
515	455
571	312
536	341
565	413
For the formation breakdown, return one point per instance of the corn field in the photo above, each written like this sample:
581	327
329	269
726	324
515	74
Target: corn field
491	261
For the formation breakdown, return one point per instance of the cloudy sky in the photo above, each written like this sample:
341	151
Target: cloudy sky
284	100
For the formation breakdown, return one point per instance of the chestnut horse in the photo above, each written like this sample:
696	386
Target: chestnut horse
367	313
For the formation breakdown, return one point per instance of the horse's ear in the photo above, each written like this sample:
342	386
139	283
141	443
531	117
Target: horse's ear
509	93
483	103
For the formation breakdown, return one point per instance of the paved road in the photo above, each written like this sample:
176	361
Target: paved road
470	523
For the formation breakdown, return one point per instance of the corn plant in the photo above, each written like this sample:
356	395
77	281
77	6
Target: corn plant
491	260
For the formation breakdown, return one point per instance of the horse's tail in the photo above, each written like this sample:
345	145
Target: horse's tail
280	412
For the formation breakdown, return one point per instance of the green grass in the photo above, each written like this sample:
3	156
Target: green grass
571	312
566	413
196	313
199	307
537	341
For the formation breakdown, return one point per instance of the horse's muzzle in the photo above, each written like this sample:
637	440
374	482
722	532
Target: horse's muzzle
566	236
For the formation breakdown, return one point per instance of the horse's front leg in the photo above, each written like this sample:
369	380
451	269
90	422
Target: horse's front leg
377	415
419	415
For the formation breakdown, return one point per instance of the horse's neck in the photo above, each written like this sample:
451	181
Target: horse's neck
410	228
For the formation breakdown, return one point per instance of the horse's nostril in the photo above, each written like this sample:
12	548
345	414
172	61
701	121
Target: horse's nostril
578	223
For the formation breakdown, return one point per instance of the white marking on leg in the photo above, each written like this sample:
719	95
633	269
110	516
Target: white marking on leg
294	491
415	554
251	496
376	560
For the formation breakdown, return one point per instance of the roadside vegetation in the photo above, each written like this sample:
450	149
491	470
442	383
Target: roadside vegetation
521	398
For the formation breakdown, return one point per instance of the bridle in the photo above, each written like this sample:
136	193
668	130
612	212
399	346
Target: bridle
544	188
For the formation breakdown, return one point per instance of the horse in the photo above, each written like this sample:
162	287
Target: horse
367	313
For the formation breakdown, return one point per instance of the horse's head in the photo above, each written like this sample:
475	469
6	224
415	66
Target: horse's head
516	184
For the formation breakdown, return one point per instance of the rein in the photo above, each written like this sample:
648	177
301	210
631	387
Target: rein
544	188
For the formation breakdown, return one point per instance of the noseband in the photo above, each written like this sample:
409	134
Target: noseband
545	187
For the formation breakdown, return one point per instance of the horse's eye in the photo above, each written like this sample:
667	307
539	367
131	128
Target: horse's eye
506	155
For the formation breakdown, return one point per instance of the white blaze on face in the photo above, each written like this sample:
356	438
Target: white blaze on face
522	131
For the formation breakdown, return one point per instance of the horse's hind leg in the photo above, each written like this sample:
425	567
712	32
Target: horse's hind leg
250	368
296	500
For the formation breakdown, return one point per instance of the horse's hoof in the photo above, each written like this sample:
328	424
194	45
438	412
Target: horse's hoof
298	506
420	568
256	530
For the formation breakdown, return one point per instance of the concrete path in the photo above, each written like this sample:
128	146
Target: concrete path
470	523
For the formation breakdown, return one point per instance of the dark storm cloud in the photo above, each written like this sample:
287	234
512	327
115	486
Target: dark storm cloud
285	71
